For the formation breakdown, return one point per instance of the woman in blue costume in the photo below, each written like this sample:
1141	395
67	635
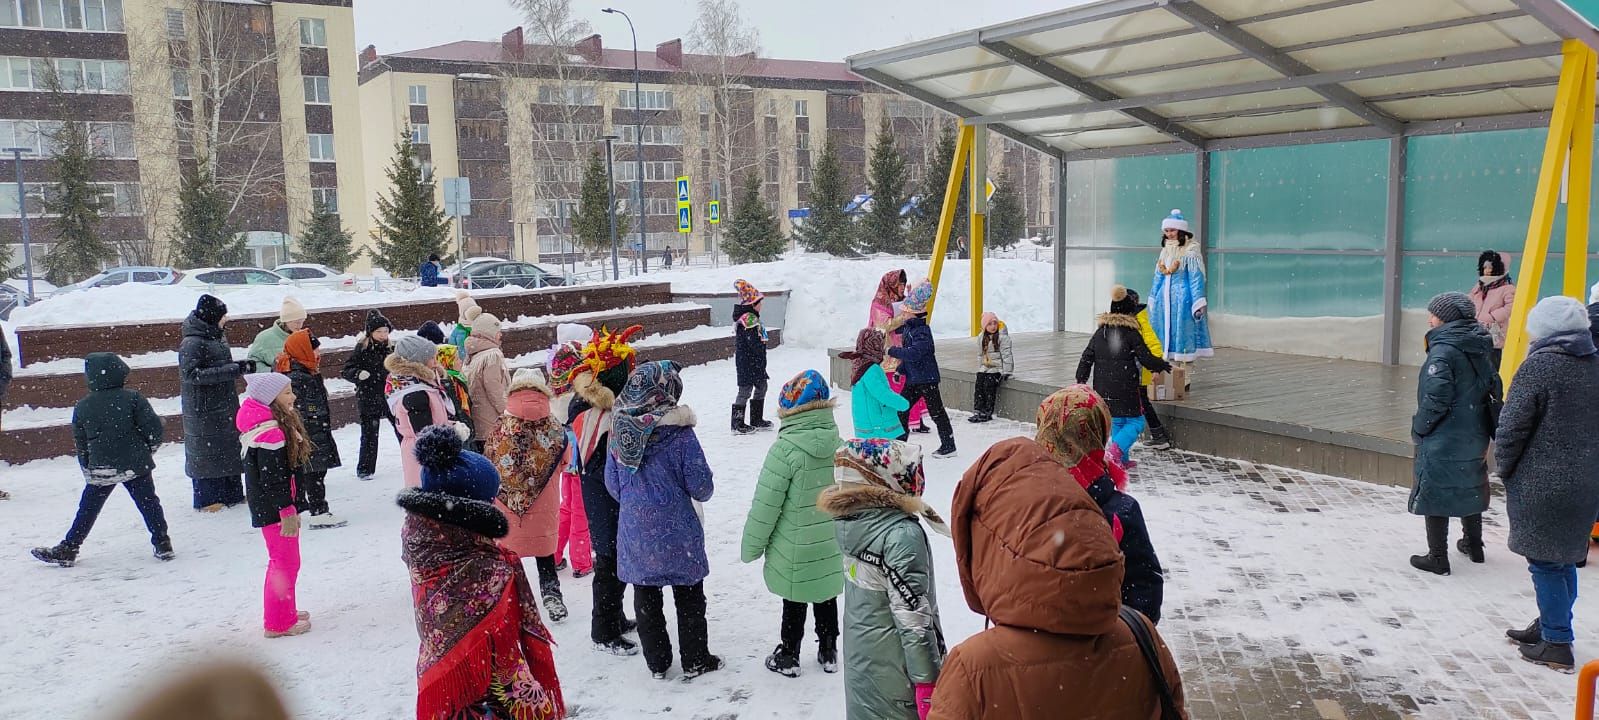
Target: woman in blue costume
1177	302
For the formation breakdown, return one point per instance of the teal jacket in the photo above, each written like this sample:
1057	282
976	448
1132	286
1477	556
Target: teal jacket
1450	427
268	344
875	407
784	524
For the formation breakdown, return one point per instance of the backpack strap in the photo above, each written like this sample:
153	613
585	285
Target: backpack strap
1136	622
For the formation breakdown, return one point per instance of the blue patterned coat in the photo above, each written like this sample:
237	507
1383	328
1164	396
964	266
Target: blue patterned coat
1173	300
660	540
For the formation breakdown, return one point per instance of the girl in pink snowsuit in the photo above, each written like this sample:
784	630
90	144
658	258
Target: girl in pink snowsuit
891	290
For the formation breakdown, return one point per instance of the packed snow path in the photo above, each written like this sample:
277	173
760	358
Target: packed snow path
1288	596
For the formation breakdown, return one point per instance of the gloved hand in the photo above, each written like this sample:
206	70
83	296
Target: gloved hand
1199	313
462	431
246	367
363	375
924	699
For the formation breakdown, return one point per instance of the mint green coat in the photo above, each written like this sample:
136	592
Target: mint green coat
875	407
784	525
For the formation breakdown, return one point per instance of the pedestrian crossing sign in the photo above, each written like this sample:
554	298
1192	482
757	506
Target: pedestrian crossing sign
713	212
685	222
682	189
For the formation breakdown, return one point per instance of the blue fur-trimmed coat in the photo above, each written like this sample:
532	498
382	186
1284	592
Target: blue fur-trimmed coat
660	539
1173	300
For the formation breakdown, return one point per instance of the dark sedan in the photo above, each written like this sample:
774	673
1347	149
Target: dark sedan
491	275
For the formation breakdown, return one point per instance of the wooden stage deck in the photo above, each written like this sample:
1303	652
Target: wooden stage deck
1335	417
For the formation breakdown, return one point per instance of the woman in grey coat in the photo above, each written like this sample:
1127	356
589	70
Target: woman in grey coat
211	449
1550	465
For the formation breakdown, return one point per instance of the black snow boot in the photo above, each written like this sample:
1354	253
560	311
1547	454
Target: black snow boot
712	663
63	555
162	549
827	654
946	449
784	661
621	646
555	606
1159	438
757	415
1532	635
1436	561
1435	564
1471	544
739	428
1554	655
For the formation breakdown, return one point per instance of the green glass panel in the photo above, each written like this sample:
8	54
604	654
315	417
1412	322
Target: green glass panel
1295	285
1121	202
1328	197
1090	275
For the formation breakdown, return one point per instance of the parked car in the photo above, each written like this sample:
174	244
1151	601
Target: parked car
502	273
142	274
454	270
313	275
229	278
10	299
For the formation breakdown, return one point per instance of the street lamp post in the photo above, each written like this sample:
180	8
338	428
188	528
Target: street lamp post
610	210
638	148
22	211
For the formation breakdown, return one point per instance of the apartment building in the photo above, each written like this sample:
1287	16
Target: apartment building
262	92
520	121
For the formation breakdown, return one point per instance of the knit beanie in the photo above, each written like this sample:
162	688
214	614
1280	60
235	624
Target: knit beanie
486	326
466	308
1556	316
450	469
1174	220
291	311
1451	306
806	388
431	331
265	387
530	379
1123	302
375	320
416	348
211	309
919	297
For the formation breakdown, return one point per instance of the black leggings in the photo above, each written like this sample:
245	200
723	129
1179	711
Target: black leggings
935	408
692	630
793	630
1149	411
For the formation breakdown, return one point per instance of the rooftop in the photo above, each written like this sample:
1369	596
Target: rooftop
480	51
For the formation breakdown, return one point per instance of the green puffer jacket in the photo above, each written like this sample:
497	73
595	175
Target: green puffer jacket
114	428
268	343
784	524
892	637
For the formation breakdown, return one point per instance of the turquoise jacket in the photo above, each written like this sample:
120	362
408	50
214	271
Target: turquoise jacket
875	407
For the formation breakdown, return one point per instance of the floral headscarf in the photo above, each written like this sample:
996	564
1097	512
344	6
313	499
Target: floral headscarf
891	289
890	464
1074	426
563	362
651	392
806	388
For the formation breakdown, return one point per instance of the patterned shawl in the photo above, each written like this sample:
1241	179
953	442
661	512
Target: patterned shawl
1074	426
651	393
484	648
526	452
868	351
891	289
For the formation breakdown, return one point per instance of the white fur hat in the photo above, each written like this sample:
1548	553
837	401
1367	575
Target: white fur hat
1175	220
530	379
1556	315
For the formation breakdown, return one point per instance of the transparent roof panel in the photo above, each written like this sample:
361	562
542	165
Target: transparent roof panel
1152	54
1414	46
1357	19
1240	104
1188	78
1125	27
1498	102
1028	100
1113	138
956	60
1009	77
1327	118
1065	123
1458	78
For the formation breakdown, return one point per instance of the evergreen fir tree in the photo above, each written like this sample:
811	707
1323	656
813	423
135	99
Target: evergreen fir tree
754	235
325	241
205	236
883	230
410	224
591	224
926	226
828	229
79	249
1005	221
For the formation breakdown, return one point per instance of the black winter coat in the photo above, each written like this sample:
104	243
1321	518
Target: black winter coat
268	483
368	358
604	512
311	401
1450	427
1113	357
1144	582
5	366
114	428
210	401
749	348
918	359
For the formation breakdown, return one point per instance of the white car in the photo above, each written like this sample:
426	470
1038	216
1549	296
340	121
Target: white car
226	279
313	275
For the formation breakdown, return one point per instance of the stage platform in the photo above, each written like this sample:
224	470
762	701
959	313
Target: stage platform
1335	417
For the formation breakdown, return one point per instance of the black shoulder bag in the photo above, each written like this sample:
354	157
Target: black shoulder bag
1146	645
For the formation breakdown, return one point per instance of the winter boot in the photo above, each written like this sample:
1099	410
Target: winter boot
1471	551
827	654
63	555
555	606
300	627
1554	655
621	647
784	661
1470	544
712	663
739	428
946	449
1436	561
629	626
757	413
1435	564
559	566
1159	438
1532	635
163	549
324	521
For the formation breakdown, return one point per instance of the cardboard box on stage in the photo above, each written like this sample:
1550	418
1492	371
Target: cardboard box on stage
1165	387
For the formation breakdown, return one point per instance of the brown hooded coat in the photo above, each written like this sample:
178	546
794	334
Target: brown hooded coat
1037	558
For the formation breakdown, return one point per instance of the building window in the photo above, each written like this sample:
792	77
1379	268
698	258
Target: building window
802	173
313	32
76	76
771	172
321	145
327	198
802	108
771	107
660	206
175	30
480	129
180	84
317	91
802	140
419	95
561	171
112	140
653	134
419	134
95	15
555	209
652	99
654	171
568	95
117	199
565	132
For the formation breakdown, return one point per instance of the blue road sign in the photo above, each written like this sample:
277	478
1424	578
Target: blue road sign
682	189
684	220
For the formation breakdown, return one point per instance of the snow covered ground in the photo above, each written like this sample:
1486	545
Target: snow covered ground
1257	576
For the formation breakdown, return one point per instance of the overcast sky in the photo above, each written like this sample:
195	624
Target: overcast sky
792	29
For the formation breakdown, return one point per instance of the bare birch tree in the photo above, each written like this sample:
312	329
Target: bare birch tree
718	85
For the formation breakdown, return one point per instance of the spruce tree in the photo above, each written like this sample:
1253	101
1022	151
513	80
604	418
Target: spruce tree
79	249
411	226
1005	221
325	241
754	235
828	229
205	236
926	226
883	230
592	223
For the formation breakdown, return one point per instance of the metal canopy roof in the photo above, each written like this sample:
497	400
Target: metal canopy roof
1131	77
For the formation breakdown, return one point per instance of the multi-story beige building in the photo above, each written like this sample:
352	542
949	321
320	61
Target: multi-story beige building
262	93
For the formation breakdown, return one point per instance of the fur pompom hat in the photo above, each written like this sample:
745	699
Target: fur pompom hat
447	467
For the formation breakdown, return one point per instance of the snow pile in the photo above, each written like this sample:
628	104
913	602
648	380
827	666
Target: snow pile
829	297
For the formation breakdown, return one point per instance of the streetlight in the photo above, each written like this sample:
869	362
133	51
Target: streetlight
610	210
638	136
22	211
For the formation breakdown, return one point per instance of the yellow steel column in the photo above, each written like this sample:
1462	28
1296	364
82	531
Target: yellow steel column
1579	183
978	224
1568	96
946	214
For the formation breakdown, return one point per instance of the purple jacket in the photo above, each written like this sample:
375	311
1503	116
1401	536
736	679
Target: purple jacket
659	538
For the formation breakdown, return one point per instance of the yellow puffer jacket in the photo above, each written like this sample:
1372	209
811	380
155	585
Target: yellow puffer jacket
1152	341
